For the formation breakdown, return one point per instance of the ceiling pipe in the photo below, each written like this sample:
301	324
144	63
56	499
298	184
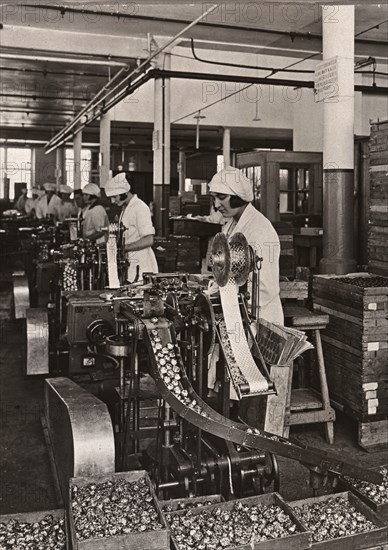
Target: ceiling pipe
133	17
129	90
142	65
32	57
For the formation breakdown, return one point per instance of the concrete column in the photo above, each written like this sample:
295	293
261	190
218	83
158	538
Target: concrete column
338	149
162	148
182	170
104	148
226	146
77	146
59	175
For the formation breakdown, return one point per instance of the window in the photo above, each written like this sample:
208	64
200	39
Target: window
294	190
253	173
86	166
15	170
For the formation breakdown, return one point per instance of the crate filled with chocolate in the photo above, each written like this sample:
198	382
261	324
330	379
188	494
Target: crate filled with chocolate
43	530
375	496
340	521
174	504
262	522
116	512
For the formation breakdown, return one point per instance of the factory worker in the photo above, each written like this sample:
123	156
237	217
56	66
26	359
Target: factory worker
20	203
79	206
94	216
232	196
31	203
49	203
138	236
67	208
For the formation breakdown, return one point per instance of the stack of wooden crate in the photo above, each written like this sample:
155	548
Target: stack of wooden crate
378	206
355	347
188	253
285	232
165	250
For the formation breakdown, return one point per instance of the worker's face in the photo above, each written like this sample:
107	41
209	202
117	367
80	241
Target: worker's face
79	200
119	200
221	203
87	199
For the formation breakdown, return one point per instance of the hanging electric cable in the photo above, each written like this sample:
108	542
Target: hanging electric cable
240	66
274	71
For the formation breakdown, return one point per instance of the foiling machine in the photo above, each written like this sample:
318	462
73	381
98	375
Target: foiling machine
175	331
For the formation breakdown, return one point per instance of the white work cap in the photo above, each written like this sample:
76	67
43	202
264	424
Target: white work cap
65	189
231	181
37	191
49	186
91	189
117	185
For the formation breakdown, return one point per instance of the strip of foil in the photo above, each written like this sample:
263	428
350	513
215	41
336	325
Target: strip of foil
111	256
238	341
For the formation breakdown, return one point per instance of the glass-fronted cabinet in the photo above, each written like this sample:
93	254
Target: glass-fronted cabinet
286	184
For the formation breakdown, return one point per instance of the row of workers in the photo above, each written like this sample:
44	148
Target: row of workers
232	197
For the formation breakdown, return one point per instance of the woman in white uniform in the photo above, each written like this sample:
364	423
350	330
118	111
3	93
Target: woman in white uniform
49	204
67	208
139	232
232	195
94	216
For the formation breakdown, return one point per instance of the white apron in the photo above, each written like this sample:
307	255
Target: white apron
137	221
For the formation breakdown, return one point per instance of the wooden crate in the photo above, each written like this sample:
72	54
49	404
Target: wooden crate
298	541
357	541
355	344
380	509
33	517
158	539
378	191
180	503
372	435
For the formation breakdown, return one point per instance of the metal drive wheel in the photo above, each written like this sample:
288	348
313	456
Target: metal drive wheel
220	259
241	258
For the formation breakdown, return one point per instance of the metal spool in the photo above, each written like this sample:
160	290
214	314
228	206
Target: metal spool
220	259
241	258
116	347
230	260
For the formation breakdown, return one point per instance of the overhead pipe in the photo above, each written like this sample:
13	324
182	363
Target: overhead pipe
133	16
129	90
83	111
32	57
142	65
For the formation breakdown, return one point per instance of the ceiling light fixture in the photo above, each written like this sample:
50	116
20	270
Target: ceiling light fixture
199	117
257	118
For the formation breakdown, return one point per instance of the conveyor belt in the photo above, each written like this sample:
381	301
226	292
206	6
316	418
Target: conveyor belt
174	386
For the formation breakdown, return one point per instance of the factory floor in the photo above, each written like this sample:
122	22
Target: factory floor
26	483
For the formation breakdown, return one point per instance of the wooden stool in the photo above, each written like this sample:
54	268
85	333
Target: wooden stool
306	405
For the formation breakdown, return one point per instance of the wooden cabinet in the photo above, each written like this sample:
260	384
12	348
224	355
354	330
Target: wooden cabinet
286	184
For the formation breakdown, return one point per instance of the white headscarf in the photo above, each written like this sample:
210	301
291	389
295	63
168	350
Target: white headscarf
117	185
231	181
